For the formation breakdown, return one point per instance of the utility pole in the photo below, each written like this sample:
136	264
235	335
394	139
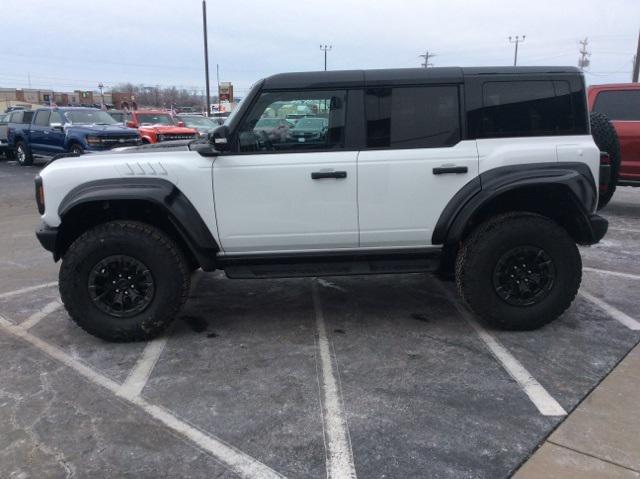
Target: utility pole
516	40
206	55
325	49
636	63
583	61
426	57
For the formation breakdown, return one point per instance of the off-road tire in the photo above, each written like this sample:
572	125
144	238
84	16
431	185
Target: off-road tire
606	138
147	244
481	252
22	151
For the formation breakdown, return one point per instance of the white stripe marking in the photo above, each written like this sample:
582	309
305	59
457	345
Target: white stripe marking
27	290
339	454
139	375
237	461
538	395
612	273
615	313
629	230
38	315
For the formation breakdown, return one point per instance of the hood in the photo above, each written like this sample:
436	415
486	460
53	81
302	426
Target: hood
102	129
179	130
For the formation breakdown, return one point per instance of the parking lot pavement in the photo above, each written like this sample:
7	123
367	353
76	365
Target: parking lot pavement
374	376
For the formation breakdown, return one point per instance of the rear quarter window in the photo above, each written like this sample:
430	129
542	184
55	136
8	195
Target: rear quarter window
620	105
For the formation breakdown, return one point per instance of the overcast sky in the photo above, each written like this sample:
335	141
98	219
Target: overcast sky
74	44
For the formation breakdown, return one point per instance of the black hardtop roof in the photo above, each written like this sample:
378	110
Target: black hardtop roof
397	76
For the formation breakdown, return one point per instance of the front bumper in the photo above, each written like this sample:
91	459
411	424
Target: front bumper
598	226
48	238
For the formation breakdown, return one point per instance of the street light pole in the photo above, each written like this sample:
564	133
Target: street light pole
206	55
325	49
516	40
101	86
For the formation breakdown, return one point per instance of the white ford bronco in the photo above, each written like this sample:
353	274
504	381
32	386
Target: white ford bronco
487	174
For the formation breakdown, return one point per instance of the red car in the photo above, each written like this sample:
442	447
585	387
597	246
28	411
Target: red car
621	103
156	126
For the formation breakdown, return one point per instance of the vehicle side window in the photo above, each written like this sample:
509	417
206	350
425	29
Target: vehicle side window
26	117
16	117
42	118
412	117
290	121
4	119
525	108
55	117
621	105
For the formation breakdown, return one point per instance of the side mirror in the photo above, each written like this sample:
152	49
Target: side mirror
131	124
181	123
219	138
56	126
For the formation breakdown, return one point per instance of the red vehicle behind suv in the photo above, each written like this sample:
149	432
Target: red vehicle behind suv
621	103
156	126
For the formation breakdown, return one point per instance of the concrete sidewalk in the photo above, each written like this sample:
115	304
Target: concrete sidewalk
601	438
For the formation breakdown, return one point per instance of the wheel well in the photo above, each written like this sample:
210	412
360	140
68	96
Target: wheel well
553	201
85	216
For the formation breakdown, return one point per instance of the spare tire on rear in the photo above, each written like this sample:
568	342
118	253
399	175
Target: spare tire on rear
606	138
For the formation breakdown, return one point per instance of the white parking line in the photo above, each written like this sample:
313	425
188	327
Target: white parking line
43	313
139	375
237	461
541	399
27	290
612	273
337	441
615	313
629	230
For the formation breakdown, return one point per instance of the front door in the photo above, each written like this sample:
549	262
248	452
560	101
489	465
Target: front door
290	183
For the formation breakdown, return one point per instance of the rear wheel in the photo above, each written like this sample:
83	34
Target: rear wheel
606	138
518	271
23	155
124	281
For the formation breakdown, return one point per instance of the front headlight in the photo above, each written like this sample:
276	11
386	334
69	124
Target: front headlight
93	140
160	137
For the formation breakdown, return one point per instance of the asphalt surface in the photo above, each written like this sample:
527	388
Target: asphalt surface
374	376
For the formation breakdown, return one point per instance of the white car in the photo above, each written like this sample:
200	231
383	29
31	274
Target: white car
487	173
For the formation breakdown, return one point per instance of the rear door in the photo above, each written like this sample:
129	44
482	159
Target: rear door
280	193
415	161
623	108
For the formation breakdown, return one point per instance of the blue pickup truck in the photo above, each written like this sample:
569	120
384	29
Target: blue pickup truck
52	131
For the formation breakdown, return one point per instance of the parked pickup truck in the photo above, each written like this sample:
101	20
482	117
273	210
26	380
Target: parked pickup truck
67	130
157	126
620	102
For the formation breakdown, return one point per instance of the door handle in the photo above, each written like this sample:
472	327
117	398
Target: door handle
441	170
319	175
46	132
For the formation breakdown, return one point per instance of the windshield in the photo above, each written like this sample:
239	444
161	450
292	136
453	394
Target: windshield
268	122
117	116
154	119
89	117
195	121
315	123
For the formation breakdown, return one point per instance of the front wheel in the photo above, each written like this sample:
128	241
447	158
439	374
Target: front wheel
518	271
124	281
23	155
76	149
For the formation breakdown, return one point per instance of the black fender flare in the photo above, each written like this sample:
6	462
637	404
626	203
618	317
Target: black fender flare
164	194
572	177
